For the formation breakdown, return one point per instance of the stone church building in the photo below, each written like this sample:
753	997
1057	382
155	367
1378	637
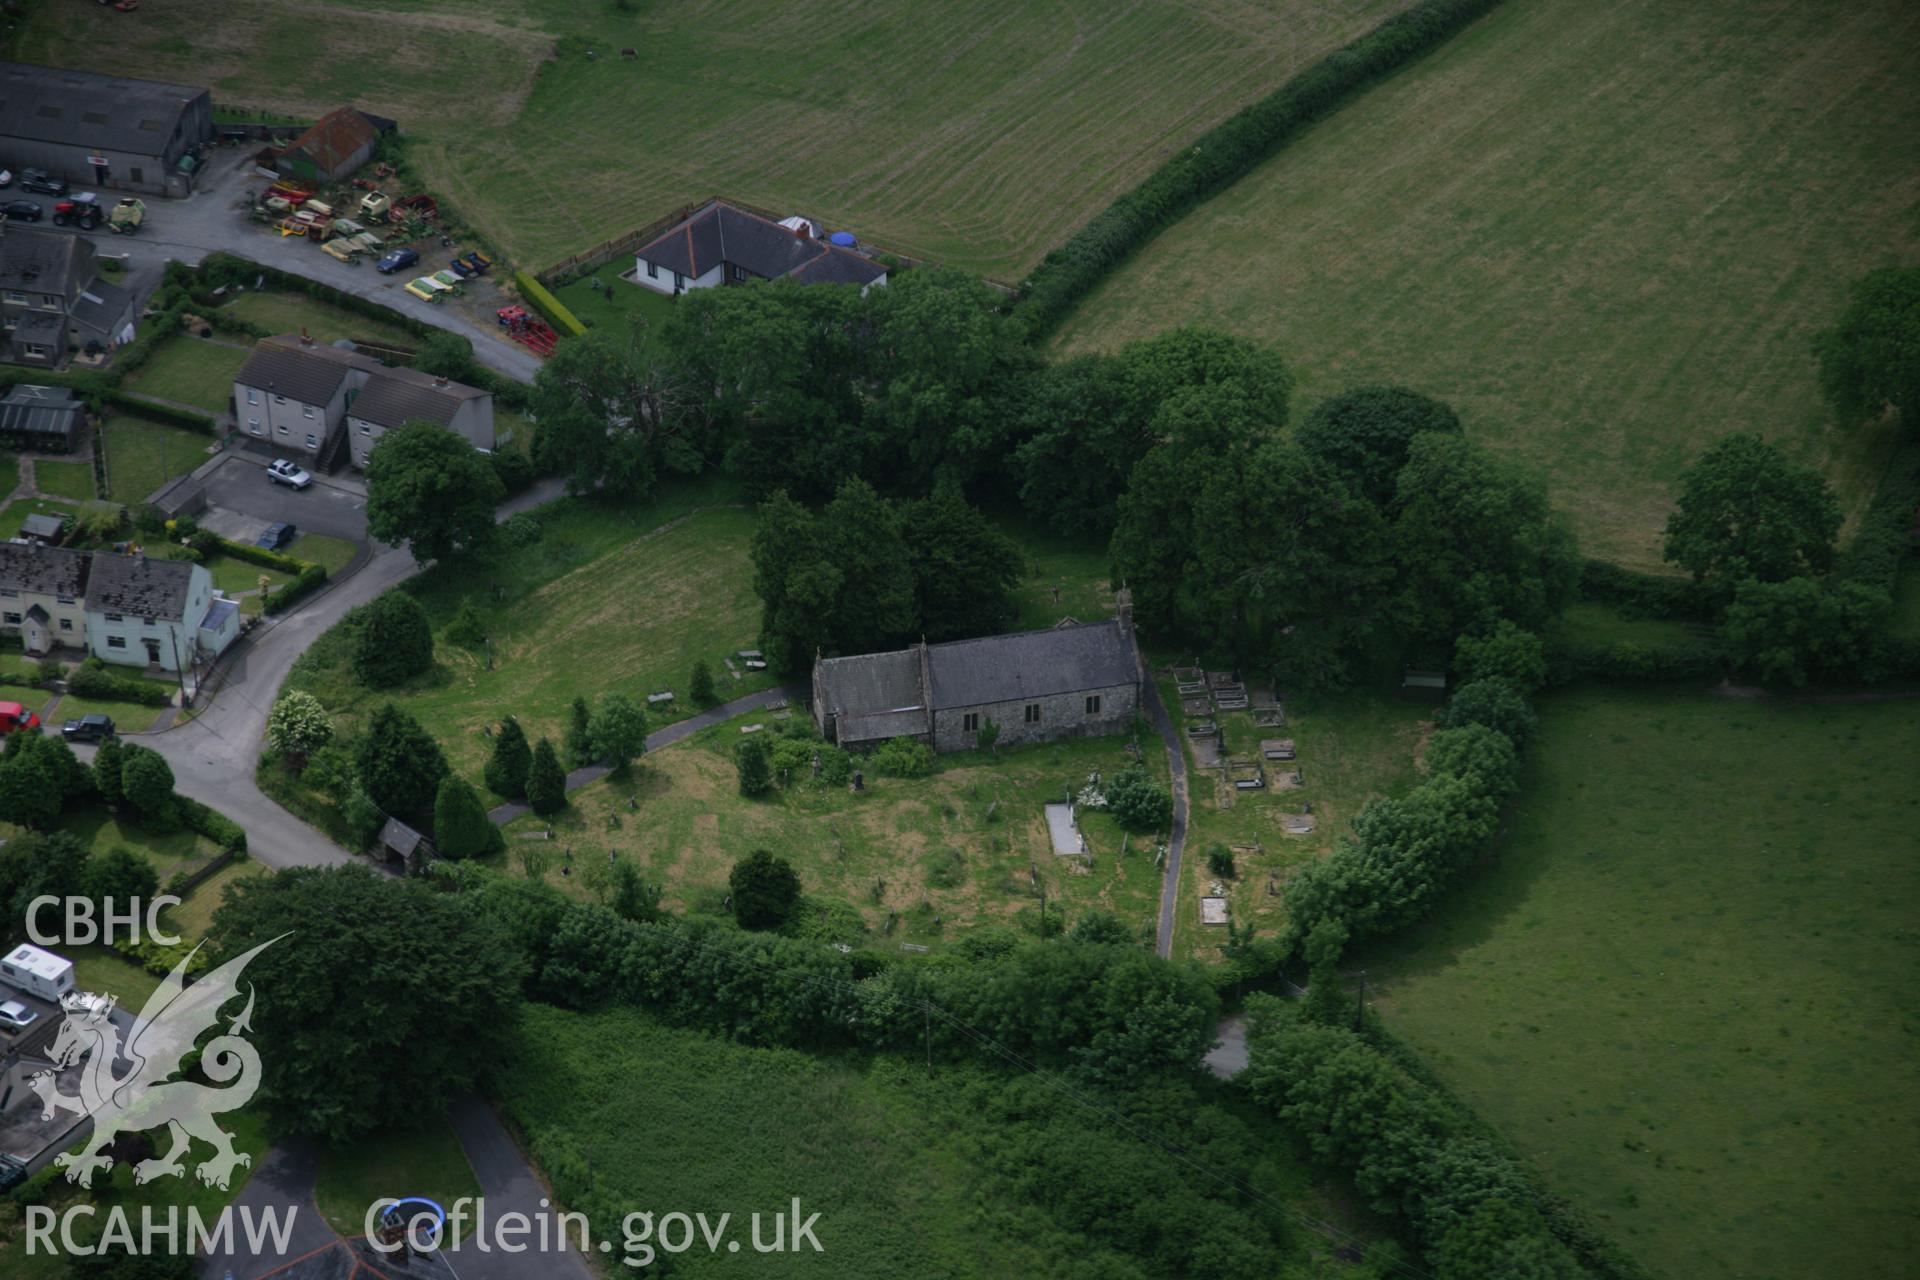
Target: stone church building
1073	680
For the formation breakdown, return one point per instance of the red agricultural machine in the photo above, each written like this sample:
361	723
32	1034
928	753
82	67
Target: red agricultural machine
527	329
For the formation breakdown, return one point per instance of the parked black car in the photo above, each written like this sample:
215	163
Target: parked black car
397	260
42	181
277	536
23	210
88	728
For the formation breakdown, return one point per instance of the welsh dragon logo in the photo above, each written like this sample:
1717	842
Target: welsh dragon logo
143	1096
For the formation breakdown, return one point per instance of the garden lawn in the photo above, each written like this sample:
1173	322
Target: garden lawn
630	305
192	918
106	972
978	134
915	860
1606	233
332	554
426	1162
324	322
179	851
19	509
1683	985
70	480
190	370
142	455
128	717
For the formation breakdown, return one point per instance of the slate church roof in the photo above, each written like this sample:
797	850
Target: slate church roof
884	695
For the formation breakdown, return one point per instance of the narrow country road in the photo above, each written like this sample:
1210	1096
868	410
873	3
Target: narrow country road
1177	841
213	755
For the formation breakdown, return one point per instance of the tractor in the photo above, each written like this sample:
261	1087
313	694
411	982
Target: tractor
82	208
127	216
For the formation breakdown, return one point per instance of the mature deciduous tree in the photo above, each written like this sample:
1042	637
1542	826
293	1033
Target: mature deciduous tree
964	570
613	415
1365	434
373	963
1475	541
430	491
1871	358
618	731
1746	512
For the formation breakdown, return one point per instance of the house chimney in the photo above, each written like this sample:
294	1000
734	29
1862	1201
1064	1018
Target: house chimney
800	232
439	381
305	339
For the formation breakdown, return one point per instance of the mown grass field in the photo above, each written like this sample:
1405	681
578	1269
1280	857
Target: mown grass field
143	455
916	860
976	134
1605	233
1683	985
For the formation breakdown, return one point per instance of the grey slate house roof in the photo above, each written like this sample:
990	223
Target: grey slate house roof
887	695
395	396
101	307
138	585
42	261
49	571
284	366
91	111
720	233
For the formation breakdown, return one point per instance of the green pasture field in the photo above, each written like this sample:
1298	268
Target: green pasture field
190	370
897	1162
1682	983
324	322
1606	233
923	849
142	455
978	134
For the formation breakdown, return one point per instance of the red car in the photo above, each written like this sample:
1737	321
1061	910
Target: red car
14	718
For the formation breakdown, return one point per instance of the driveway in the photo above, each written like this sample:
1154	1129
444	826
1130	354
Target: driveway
214	217
241	501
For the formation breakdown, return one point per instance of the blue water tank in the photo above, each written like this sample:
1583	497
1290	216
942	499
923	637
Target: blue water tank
845	239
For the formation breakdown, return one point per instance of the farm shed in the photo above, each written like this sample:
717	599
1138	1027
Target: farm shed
333	147
42	419
101	130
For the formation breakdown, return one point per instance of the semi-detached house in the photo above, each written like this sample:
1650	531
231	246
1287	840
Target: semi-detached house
307	398
156	613
125	609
